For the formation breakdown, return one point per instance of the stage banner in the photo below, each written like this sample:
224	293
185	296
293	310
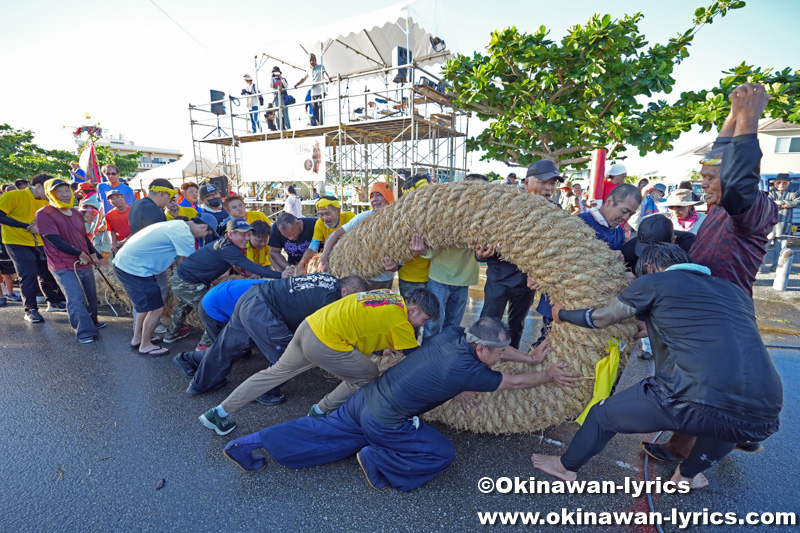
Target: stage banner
299	159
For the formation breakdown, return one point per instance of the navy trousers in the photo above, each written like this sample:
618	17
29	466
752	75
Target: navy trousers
404	458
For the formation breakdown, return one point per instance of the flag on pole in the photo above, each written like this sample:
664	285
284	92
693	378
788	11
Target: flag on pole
605	372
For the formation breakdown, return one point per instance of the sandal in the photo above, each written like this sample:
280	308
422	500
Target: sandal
155	352
659	452
154	340
749	447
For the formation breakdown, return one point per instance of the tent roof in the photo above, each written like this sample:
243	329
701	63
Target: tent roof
180	170
365	43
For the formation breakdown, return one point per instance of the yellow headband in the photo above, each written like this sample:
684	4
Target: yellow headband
158	188
324	203
711	162
51	197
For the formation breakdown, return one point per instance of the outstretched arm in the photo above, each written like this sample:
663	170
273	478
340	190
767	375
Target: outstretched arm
613	313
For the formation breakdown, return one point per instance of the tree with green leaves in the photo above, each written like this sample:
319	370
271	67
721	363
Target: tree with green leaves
21	158
561	100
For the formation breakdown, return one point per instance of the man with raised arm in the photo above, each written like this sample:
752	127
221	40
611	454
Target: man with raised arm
733	238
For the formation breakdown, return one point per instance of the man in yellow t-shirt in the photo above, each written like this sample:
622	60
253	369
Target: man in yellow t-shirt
339	337
330	219
24	245
174	209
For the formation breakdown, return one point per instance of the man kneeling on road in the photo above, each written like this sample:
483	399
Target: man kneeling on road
268	314
337	338
714	379
380	424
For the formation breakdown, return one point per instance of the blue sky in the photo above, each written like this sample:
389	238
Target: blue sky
135	71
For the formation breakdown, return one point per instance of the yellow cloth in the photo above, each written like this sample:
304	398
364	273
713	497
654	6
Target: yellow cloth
415	270
20	205
260	257
158	188
605	372
51	195
324	203
322	232
367	322
187	212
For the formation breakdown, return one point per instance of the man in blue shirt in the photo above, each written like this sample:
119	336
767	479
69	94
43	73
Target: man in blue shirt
380	424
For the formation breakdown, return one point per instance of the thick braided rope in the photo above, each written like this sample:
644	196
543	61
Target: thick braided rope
558	250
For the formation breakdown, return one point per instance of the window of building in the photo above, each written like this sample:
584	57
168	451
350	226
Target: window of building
144	159
786	145
158	160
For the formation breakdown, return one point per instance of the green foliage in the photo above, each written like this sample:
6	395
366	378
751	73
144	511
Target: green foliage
494	176
709	108
559	101
21	158
127	163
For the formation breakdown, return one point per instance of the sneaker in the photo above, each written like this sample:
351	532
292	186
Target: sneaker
222	425
14	297
240	451
41	300
183	332
202	347
316	414
33	316
194	390
273	398
56	307
100	325
86	340
160	329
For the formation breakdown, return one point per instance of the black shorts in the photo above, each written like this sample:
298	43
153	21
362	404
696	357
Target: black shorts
145	294
6	265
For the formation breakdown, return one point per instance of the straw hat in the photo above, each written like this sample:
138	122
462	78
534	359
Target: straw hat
681	198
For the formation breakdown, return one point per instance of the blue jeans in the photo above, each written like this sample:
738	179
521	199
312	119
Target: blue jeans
81	318
254	123
283	123
452	304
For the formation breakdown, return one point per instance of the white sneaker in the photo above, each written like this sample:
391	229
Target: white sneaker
160	329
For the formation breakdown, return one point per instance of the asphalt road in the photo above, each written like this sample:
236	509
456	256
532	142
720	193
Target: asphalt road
92	430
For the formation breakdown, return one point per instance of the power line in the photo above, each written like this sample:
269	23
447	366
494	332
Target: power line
192	36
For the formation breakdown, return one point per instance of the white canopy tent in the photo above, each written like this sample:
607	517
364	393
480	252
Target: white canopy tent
181	170
344	52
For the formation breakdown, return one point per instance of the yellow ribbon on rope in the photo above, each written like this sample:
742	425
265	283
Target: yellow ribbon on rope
605	371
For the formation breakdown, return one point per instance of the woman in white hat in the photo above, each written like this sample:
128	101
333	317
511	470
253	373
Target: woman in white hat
682	212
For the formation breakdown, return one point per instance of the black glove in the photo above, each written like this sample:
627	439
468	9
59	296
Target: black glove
244	92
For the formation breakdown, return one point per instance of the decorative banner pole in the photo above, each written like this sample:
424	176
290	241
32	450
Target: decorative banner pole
597	175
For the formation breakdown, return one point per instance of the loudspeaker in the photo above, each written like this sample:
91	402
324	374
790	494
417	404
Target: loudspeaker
401	56
217	108
221	183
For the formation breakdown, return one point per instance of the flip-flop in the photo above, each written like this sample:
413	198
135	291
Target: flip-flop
659	452
154	340
155	352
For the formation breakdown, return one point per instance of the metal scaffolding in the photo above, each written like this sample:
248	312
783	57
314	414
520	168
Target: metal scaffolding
385	134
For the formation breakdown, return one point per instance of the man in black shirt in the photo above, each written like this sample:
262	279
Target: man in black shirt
266	314
193	277
150	209
380	424
714	379
291	234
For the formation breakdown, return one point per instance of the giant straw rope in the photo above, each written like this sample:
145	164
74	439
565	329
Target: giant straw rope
560	251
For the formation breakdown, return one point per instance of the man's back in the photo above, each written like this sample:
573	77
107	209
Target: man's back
706	344
431	375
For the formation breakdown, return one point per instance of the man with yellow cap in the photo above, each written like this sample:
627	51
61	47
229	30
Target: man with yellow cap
330	219
380	195
69	257
150	209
